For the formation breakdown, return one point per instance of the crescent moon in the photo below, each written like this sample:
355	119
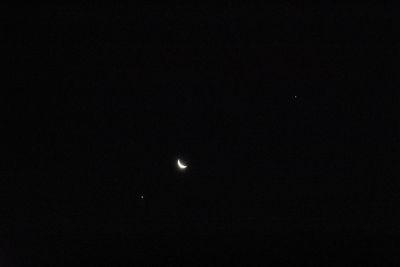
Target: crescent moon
181	166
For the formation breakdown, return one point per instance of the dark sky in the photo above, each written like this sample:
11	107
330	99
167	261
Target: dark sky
286	115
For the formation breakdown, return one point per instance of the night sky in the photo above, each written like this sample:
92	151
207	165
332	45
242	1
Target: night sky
287	117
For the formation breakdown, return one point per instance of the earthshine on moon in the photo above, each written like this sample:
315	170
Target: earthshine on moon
181	165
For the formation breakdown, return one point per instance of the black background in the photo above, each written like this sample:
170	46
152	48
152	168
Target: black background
286	115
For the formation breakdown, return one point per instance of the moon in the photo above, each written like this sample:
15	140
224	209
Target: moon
181	165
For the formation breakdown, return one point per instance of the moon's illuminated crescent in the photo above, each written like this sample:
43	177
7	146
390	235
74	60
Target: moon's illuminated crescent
181	166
